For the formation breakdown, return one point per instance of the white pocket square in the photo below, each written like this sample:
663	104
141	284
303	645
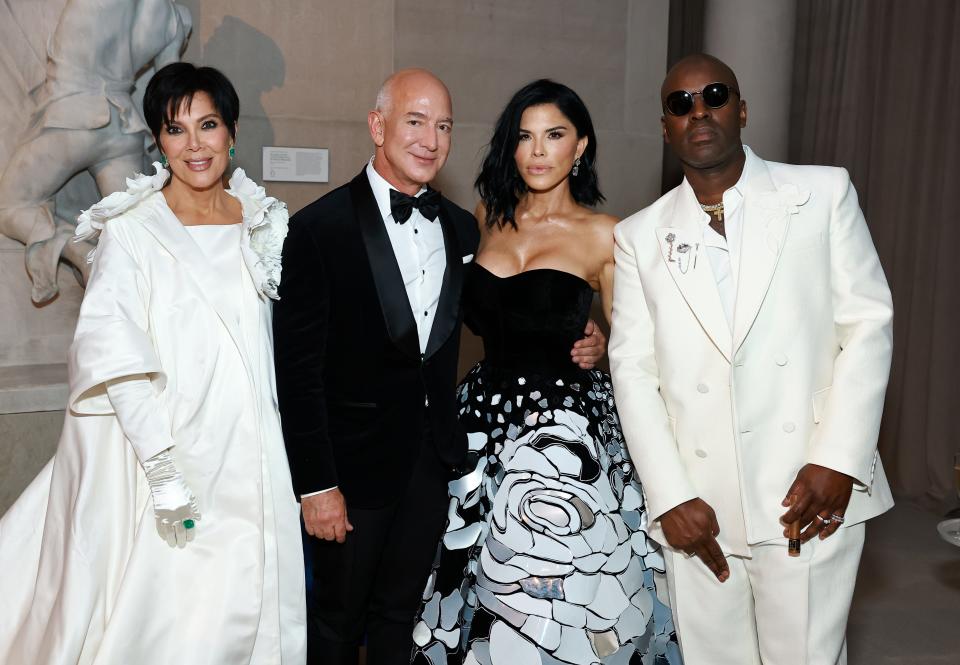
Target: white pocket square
468	258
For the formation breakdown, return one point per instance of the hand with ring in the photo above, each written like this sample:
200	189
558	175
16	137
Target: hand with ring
818	498
174	505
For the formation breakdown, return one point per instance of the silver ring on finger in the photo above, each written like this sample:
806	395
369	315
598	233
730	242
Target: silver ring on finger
837	518
825	521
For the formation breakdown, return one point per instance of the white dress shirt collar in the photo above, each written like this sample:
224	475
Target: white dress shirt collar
733	197
724	252
381	191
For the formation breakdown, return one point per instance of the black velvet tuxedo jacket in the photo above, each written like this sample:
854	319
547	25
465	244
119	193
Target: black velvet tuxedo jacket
355	393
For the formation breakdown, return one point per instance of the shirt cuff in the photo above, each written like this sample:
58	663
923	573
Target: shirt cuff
304	496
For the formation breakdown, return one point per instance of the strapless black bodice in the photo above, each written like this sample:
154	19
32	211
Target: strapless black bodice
528	321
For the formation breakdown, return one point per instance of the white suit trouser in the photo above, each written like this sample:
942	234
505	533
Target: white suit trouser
773	609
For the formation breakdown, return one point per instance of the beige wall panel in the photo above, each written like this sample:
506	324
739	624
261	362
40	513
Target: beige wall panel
296	62
487	49
348	142
646	66
307	73
27	442
756	40
629	170
302	59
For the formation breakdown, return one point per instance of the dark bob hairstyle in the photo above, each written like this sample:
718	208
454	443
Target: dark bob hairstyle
176	84
500	184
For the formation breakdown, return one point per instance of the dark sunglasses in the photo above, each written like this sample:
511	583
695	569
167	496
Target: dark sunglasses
715	96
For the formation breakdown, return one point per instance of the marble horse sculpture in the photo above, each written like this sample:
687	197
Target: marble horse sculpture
82	116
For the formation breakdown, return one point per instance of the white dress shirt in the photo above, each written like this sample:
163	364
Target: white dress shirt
418	247
724	253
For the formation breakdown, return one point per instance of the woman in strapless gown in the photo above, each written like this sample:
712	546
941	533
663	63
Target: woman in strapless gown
545	558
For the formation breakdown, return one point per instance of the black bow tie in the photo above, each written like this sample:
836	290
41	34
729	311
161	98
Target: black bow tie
402	205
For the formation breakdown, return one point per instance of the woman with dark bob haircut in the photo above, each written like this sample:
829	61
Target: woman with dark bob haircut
171	418
545	557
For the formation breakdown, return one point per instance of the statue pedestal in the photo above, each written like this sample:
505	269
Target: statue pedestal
33	370
31	388
33	340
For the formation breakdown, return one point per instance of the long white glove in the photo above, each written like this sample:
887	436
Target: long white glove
145	422
174	504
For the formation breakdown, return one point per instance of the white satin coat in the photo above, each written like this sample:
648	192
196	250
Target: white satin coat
84	576
731	413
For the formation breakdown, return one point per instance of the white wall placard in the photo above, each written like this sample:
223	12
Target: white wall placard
296	164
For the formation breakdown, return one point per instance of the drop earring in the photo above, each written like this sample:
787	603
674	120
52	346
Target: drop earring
163	160
576	167
232	152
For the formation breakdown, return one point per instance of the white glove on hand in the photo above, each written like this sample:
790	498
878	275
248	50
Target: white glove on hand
173	502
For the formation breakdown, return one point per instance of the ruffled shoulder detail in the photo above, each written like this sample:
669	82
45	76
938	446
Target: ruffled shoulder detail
265	222
91	221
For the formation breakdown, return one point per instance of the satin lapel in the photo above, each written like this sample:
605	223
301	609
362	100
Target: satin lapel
391	292
169	232
692	273
766	219
448	307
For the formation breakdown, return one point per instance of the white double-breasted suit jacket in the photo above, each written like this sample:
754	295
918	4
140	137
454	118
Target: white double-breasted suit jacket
730	413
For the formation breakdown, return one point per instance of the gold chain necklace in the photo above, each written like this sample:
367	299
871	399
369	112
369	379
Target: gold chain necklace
714	208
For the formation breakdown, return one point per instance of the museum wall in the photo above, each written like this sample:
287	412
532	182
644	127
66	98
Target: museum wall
307	72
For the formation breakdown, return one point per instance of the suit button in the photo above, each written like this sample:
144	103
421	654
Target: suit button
781	359
789	427
703	388
700	453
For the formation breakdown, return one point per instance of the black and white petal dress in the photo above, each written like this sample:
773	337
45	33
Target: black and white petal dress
545	558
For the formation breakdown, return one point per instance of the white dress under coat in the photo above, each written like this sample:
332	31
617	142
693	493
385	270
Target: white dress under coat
84	576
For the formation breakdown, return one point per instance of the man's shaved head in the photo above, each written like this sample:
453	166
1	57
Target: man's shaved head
411	129
705	138
402	80
698	61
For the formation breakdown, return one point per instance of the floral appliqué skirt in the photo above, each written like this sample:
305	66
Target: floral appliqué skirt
545	557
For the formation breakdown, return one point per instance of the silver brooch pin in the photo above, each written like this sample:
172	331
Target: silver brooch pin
683	260
670	238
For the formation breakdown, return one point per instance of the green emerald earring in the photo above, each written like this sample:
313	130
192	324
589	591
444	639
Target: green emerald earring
163	160
232	152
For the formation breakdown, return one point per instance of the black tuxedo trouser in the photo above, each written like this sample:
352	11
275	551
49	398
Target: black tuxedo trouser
372	584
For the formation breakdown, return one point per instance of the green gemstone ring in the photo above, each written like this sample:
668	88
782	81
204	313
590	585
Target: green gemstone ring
188	524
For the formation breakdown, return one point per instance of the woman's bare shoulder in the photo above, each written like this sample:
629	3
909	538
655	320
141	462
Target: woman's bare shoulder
480	212
602	220
597	226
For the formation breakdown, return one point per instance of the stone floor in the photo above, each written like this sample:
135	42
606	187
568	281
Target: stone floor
906	610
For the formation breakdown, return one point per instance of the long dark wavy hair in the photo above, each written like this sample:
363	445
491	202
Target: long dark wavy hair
500	184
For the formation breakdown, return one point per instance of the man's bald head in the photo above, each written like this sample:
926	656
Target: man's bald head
411	129
698	62
705	137
404	82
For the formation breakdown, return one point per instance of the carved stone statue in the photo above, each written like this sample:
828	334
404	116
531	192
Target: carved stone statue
82	115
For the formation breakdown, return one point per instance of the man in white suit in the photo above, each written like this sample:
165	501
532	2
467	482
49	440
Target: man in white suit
750	350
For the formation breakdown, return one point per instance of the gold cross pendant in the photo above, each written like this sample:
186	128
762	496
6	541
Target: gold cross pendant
714	210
